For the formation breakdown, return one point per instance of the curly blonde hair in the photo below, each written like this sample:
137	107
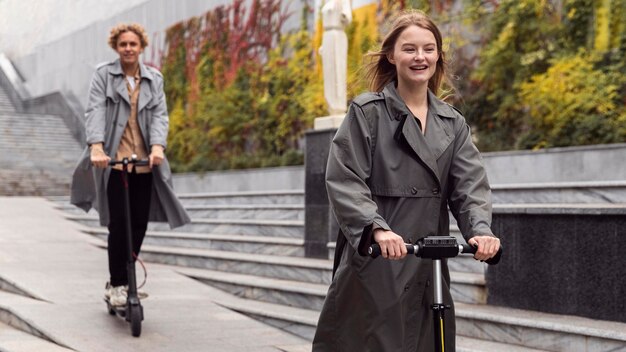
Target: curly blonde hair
128	27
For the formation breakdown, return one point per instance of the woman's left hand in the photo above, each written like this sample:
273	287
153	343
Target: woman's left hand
156	155
488	246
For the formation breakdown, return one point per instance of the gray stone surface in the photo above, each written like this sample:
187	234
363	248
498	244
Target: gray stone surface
37	152
252	227
287	268
228	243
607	192
571	164
589	174
295	196
321	225
278	178
563	260
48	256
540	330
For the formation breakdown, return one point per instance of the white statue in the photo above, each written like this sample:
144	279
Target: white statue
336	15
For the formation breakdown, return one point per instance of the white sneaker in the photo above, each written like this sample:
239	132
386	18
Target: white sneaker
116	296
107	291
140	293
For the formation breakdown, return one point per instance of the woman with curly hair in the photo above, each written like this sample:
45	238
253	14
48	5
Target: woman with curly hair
126	115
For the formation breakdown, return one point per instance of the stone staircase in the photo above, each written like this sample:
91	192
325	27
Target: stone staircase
37	152
250	245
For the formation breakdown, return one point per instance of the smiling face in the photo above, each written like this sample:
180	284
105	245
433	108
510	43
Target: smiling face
129	48
415	56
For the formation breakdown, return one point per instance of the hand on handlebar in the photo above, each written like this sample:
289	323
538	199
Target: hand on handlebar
156	155
487	246
391	245
98	156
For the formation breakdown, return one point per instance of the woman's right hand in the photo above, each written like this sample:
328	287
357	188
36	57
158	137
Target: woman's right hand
391	245
98	156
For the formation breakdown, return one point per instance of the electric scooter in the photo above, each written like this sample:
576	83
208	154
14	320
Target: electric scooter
437	248
133	311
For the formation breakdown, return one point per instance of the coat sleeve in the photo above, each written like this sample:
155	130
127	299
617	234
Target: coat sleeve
95	113
347	172
470	196
160	120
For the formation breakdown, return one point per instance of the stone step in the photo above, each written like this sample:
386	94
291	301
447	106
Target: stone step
248	211
539	330
38	143
33	334
518	334
230	243
308	270
33	182
561	192
260	197
243	211
284	292
520	331
14	340
467	288
246	227
298	321
467	344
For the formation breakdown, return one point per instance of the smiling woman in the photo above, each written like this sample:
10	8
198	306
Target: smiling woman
390	180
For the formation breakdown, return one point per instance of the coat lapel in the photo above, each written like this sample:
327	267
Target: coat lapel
438	135
429	147
118	81
409	130
145	93
414	137
121	89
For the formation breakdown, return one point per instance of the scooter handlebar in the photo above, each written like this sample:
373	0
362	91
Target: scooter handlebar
132	160
374	251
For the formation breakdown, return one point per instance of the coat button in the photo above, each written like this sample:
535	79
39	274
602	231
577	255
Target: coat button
435	190
413	190
406	288
427	283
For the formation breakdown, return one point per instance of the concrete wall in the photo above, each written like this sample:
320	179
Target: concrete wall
587	163
67	64
575	164
279	178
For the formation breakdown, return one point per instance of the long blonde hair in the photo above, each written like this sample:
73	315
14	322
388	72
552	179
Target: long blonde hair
378	71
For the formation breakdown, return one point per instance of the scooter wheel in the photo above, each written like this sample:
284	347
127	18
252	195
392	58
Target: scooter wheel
135	321
111	311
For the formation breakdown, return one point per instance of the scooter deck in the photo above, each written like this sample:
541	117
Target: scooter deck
119	310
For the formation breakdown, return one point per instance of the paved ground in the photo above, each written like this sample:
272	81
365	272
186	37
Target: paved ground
47	257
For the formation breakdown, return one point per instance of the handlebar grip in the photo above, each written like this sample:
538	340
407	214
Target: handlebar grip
496	258
466	248
374	250
469	249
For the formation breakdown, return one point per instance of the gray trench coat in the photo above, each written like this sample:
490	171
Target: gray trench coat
382	169
106	116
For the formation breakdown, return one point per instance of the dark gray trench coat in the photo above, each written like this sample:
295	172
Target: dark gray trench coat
382	169
106	116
